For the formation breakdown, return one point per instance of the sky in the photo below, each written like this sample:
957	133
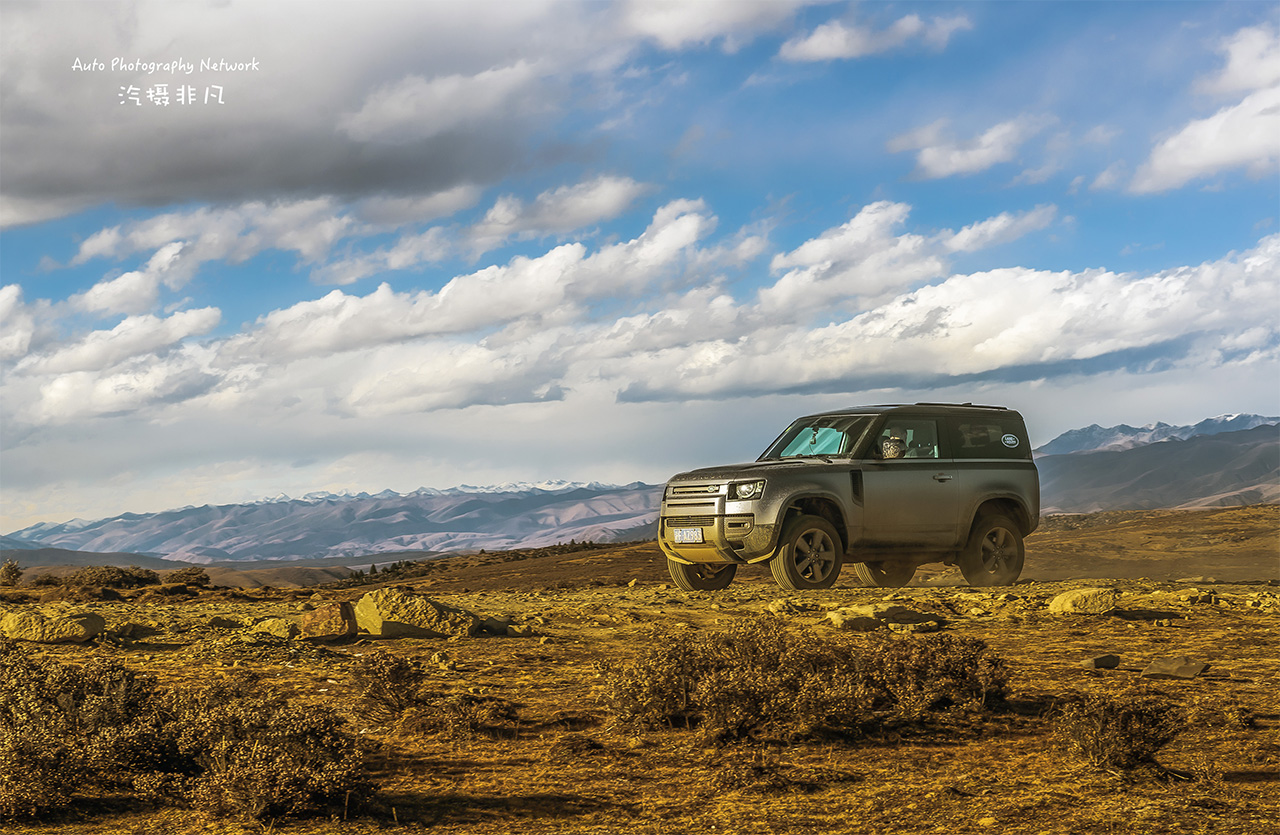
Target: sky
280	247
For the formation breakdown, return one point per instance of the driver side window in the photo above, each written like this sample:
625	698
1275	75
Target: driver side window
906	438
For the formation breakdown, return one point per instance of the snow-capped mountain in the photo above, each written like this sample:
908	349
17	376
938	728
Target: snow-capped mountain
1095	438
351	525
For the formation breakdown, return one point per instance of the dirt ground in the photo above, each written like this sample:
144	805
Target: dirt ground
1201	584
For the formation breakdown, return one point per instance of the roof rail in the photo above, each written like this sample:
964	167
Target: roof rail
969	405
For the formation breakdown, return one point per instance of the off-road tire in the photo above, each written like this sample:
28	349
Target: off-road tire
809	554
994	554
889	574
701	577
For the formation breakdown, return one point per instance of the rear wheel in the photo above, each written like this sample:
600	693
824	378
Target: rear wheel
888	574
995	553
809	554
701	577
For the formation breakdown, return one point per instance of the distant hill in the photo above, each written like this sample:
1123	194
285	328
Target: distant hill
1220	470
1095	438
351	527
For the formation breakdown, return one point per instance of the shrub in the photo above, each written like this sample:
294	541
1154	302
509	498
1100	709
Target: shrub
917	676
395	688
192	575
224	748
1124	731
110	576
46	580
752	679
758	677
10	573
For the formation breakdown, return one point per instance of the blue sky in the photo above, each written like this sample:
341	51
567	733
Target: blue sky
469	243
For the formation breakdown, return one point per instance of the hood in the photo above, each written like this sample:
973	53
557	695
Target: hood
756	469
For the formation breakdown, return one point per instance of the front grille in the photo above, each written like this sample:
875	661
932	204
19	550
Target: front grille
690	521
695	489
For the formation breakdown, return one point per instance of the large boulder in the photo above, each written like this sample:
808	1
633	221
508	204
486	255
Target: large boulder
280	627
329	621
392	613
1084	602
67	629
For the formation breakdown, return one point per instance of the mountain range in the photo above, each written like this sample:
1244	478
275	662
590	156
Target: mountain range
1212	463
1095	438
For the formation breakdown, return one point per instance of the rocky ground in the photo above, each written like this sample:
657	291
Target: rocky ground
567	766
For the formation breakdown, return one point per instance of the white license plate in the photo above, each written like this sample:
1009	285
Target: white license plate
687	535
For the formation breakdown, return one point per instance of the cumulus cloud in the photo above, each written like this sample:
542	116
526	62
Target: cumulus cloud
1000	229
939	156
1243	135
675	23
1253	62
137	290
1239	136
857	261
835	39
17	323
417	108
135	336
555	212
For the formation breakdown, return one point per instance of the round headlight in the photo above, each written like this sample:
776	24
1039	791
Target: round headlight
749	490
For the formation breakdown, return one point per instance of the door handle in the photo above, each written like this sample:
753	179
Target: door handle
943	477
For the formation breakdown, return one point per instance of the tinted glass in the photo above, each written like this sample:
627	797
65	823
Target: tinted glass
988	437
906	438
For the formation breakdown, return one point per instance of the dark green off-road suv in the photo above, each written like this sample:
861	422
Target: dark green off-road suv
887	488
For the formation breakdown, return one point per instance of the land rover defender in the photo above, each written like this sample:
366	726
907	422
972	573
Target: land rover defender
886	488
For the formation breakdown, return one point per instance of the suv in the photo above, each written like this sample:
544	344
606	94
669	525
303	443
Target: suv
888	488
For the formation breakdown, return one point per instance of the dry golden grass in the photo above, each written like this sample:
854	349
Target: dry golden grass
568	767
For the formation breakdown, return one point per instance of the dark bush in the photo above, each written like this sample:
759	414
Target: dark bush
758	677
754	678
1124	731
46	580
192	575
396	688
225	748
10	573
114	577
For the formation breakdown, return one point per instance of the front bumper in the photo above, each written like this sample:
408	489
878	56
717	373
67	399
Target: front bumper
731	530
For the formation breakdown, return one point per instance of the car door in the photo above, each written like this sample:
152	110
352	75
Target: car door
913	500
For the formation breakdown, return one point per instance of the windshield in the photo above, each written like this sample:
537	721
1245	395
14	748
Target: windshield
827	435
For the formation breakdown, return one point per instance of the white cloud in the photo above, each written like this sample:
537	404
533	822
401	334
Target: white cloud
1109	177
409	251
858	261
938	156
676	23
417	108
834	39
395	211
1000	229
137	290
555	212
135	336
1246	135
1253	62
17	323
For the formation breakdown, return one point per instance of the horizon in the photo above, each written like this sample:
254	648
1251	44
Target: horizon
419	244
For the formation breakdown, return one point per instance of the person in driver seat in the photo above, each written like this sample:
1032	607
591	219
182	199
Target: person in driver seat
892	447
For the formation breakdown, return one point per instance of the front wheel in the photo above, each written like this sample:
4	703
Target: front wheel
888	574
994	554
701	577
809	554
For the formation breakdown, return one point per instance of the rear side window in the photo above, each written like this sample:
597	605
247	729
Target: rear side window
988	437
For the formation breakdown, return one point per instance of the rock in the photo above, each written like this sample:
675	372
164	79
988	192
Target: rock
68	629
888	613
841	619
391	613
782	606
328	621
914	628
495	626
224	622
519	631
1179	666
1101	662
976	612
632	584
1084	602
280	627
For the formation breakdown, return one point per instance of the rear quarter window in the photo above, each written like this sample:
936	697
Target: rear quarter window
981	436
